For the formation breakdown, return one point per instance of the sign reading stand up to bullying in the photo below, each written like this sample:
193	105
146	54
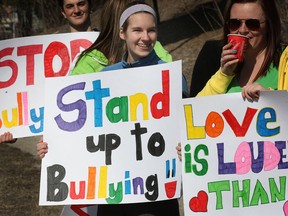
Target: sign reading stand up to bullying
112	137
24	65
235	155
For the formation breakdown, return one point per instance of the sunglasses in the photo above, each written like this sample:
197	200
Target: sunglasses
251	24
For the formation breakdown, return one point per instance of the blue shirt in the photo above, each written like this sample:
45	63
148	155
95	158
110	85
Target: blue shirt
151	59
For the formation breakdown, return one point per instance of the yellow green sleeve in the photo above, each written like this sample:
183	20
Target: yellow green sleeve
162	53
217	84
283	71
91	62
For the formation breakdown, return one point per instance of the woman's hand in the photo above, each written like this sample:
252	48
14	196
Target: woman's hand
179	152
228	61
251	91
42	148
7	137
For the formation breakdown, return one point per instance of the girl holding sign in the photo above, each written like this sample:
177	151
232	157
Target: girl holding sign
108	47
138	29
140	48
140	43
258	71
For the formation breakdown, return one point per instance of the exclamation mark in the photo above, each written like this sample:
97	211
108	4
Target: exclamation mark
170	187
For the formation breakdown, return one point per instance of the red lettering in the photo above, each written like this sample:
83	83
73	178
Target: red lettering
162	97
77	209
11	64
60	49
54	49
81	194
239	130
76	45
30	51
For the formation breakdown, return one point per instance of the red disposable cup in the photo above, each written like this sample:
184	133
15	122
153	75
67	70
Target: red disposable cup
239	43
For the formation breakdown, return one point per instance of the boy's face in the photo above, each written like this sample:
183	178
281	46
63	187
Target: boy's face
76	11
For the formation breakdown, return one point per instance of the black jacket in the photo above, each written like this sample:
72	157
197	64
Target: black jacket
207	63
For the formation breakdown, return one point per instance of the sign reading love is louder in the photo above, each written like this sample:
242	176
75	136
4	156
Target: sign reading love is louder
235	155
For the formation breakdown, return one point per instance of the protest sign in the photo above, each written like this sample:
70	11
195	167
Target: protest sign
235	155
112	136
24	64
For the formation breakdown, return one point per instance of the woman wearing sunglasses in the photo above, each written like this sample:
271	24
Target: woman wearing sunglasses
259	20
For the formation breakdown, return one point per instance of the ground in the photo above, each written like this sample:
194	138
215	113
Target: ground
19	164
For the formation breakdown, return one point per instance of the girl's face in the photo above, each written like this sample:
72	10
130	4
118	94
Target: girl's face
140	36
76	12
257	31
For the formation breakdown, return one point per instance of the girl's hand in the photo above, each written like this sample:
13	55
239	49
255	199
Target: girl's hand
251	91
7	137
42	148
228	61
179	152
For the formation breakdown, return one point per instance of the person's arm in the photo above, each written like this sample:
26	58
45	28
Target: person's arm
162	53
220	81
217	84
283	71
206	64
91	62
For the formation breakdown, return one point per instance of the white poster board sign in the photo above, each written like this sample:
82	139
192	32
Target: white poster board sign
112	136
235	155
24	64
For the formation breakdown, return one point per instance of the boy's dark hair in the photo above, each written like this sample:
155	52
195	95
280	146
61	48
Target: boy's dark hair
61	2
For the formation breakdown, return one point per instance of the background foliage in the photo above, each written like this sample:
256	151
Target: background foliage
32	17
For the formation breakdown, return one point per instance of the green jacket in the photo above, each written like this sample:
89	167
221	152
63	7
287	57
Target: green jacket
95	60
